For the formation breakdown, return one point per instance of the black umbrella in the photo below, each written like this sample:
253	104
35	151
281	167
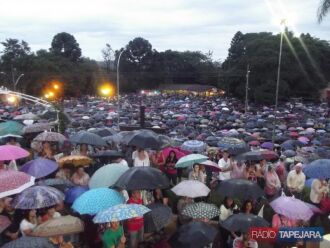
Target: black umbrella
243	222
88	138
145	139
239	188
193	235
103	132
140	178
58	183
233	145
157	218
108	154
30	242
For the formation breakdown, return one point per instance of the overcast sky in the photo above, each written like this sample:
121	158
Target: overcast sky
168	24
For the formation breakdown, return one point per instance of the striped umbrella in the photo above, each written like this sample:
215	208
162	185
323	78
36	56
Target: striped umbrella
201	210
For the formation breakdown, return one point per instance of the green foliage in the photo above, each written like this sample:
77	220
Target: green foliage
304	72
65	44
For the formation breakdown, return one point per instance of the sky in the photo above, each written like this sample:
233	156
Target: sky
202	25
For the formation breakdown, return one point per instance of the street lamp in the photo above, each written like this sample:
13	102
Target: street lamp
118	97
247	88
15	82
283	24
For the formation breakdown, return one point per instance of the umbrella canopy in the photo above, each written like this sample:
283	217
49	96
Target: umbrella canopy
11	128
193	146
190	160
59	226
96	200
107	176
75	160
28	116
233	145
145	139
39	167
258	155
4	223
178	152
37	128
58	183
13	182
30	242
10	152
38	197
212	166
243	222
318	169
88	138
194	235
292	208
142	178
159	216
191	188
239	188
72	194
108	154
201	210
121	212
50	137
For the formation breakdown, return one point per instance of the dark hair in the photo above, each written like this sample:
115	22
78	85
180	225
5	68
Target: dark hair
244	206
171	160
225	202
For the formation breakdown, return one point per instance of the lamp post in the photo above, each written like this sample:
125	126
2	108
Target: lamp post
247	88
14	82
283	23
118	97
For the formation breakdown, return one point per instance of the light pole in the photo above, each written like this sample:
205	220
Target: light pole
118	97
247	88
15	82
283	23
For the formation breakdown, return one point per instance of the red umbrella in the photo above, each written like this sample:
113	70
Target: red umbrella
13	182
179	153
254	143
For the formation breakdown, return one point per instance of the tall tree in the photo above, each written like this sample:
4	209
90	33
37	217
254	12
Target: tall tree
66	45
108	57
323	9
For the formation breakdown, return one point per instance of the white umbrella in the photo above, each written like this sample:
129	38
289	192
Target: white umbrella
191	188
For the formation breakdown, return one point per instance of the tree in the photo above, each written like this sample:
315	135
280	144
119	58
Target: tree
108	57
138	50
323	9
65	44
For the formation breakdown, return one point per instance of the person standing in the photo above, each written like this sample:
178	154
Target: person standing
196	174
295	181
135	226
114	237
319	190
141	158
272	181
169	168
224	164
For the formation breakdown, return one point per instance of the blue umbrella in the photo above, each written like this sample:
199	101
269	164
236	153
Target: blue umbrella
39	167
233	145
309	182
289	153
38	197
107	176
72	194
189	160
121	212
318	169
88	138
96	200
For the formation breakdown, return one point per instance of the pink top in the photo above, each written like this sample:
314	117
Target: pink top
272	183
282	221
238	171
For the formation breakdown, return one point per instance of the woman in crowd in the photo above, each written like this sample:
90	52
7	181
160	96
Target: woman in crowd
158	160
80	177
273	183
29	222
247	207
196	174
169	168
141	158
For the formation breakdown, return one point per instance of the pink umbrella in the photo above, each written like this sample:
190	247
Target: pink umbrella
303	140
9	152
179	153
211	165
13	182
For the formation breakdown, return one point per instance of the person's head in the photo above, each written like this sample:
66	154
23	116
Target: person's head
228	202
80	170
247	207
83	148
140	150
47	145
298	168
12	140
136	194
225	154
30	214
270	168
172	154
8	206
196	167
51	211
114	225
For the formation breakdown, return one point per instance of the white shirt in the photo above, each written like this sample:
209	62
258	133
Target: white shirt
296	181
123	162
239	240
225	212
317	191
138	162
224	165
25	225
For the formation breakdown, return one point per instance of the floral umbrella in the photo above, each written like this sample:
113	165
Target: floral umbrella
50	137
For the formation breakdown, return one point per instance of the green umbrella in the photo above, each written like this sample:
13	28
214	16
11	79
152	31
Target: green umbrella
190	160
11	128
107	175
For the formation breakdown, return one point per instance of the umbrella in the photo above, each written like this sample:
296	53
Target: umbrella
30	242
58	183
13	182
38	197
212	166
10	152
318	169
72	194
59	226
267	145
107	176
75	160
159	216
289	153
121	212
292	208
243	222
108	154
11	128
201	210
178	152
142	178
145	139
88	138
95	200
37	128
39	167
239	188
189	160
193	146
50	137
233	145
4	223
193	235
103	132
258	155
28	116
191	188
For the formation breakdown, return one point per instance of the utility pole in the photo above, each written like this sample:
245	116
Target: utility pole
247	88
